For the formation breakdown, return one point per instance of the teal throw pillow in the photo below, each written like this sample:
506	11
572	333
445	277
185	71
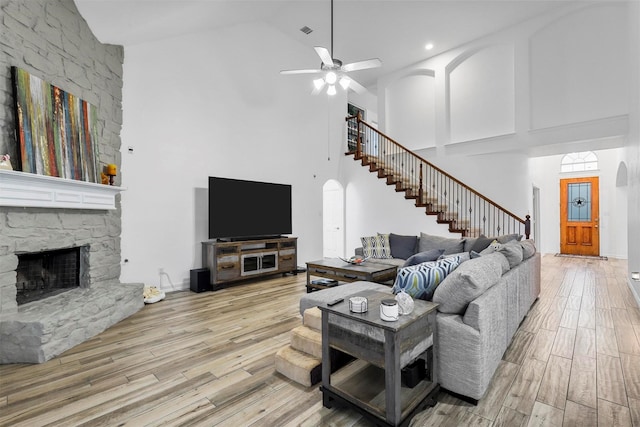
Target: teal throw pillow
421	280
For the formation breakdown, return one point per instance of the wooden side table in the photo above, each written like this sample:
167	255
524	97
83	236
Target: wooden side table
387	347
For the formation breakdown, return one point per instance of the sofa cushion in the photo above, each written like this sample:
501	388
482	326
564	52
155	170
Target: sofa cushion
507	238
450	246
421	280
466	283
420	257
402	246
376	246
504	263
512	250
528	248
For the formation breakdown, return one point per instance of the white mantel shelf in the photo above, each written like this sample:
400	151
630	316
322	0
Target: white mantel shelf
41	191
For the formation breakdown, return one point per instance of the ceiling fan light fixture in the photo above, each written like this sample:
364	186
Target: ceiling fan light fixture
331	90
318	83
331	78
344	82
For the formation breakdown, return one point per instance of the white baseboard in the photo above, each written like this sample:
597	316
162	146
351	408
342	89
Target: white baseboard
635	290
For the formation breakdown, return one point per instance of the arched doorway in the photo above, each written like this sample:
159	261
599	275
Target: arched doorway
332	219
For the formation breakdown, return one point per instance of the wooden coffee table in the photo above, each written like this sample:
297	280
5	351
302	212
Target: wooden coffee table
383	348
341	271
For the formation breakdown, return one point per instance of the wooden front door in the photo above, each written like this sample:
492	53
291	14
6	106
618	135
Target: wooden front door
579	215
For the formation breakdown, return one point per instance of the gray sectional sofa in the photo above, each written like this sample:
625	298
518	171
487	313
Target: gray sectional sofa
482	303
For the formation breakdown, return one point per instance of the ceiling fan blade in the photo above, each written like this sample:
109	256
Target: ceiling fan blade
300	71
324	55
362	65
356	87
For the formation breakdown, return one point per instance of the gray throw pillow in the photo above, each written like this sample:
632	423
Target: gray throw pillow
512	251
466	283
468	243
481	243
421	257
464	256
450	246
402	246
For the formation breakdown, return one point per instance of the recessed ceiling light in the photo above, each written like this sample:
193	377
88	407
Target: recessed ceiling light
429	46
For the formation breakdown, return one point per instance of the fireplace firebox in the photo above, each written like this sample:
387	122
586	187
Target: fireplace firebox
44	274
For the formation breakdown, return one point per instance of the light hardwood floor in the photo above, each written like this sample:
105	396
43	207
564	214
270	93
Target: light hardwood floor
207	359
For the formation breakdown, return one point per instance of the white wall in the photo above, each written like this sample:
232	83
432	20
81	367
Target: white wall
371	207
560	77
532	90
613	202
214	104
411	111
632	153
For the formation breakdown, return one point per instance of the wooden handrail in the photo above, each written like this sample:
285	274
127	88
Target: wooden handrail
360	121
362	126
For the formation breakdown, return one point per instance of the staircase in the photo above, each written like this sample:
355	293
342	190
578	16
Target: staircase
465	210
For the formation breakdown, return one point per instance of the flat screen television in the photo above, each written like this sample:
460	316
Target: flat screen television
241	210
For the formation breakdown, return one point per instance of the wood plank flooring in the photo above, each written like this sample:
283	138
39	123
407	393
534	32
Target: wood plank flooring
208	360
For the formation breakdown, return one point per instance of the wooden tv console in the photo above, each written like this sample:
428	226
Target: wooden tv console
233	261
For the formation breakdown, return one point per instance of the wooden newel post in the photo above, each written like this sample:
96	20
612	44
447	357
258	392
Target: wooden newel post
527	226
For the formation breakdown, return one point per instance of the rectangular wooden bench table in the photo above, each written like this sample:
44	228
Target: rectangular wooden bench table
342	271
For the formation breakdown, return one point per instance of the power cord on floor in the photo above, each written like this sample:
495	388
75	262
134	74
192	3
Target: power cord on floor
164	273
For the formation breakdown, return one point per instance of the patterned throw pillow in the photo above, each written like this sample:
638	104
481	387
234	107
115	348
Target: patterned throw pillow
421	281
376	246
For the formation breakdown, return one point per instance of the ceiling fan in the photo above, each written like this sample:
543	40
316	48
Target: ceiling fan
334	71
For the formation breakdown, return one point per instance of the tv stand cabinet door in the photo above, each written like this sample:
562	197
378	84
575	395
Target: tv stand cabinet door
227	268
288	255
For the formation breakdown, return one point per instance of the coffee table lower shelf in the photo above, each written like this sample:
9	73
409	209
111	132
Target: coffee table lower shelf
360	386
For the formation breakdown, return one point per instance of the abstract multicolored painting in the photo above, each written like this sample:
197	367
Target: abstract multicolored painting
56	130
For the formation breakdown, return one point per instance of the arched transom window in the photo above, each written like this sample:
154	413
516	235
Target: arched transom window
576	162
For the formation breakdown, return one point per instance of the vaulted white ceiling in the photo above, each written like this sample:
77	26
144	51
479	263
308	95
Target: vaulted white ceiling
395	31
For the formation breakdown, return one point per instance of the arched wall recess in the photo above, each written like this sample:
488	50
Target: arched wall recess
480	93
411	109
569	83
621	176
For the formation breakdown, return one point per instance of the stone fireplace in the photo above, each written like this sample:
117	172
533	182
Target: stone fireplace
59	268
40	213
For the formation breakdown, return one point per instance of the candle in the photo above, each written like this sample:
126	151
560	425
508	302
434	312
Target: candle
111	169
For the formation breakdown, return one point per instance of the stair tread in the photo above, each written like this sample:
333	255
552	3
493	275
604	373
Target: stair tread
307	340
298	366
297	357
312	317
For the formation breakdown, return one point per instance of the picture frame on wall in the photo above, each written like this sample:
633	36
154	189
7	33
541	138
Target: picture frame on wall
56	130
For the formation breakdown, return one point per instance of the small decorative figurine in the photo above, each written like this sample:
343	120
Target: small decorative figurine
5	162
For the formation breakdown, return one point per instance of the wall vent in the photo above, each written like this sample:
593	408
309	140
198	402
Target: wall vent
306	30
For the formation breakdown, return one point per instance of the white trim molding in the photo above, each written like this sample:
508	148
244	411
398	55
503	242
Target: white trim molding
23	189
